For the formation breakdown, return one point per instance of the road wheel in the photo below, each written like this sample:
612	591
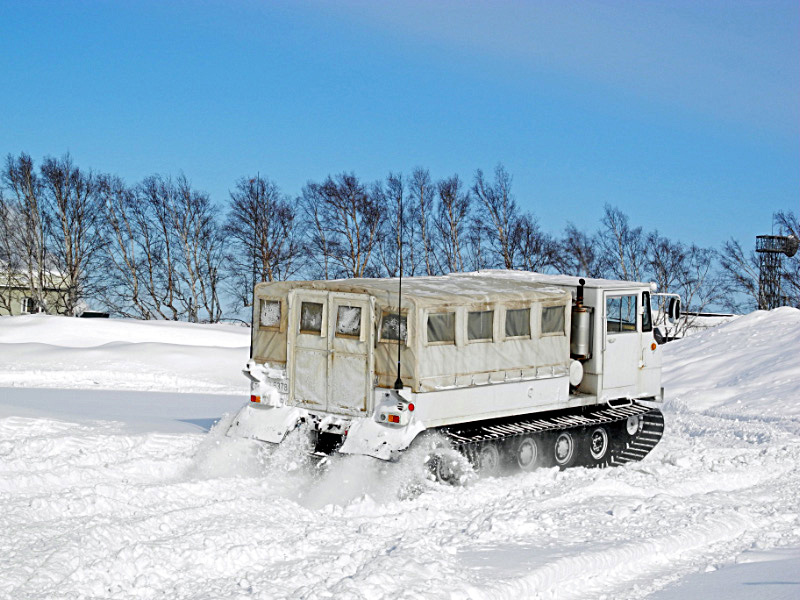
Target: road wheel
634	425
599	443
449	466
527	454
489	459
564	449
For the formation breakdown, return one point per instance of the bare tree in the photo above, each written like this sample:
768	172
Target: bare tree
788	224
125	262
580	253
164	250
265	237
739	273
10	260
500	215
667	262
28	234
451	223
69	196
622	245
422	194
535	250
701	285
345	221
200	241
395	228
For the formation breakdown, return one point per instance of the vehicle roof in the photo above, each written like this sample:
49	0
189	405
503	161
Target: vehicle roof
459	288
554	280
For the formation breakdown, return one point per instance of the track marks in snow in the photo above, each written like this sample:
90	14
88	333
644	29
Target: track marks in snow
90	510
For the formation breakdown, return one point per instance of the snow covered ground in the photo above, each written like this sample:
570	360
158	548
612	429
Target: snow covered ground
117	492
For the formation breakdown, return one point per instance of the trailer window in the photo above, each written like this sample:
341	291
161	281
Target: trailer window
442	328
311	318
348	321
270	313
480	325
647	315
518	322
553	320
620	314
394	327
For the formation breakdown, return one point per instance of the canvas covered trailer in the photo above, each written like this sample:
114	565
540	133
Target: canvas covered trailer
337	340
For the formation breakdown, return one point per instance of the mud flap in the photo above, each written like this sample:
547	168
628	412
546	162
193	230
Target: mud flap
266	424
379	441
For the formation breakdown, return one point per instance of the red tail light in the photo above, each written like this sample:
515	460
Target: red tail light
411	406
254	398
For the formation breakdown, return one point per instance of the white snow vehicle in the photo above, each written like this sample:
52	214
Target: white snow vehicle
504	366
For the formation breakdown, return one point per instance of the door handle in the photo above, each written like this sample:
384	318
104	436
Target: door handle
612	340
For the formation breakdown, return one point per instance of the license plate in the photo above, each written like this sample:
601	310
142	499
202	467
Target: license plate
280	384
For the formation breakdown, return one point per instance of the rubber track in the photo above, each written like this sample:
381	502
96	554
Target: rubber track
634	449
643	442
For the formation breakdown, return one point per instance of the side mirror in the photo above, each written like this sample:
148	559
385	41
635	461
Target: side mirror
674	309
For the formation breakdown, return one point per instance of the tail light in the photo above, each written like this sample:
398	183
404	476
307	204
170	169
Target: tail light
254	398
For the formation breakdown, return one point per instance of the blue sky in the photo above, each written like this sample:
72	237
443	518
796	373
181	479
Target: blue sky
683	114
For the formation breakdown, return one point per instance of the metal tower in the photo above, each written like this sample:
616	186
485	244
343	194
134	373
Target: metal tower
770	249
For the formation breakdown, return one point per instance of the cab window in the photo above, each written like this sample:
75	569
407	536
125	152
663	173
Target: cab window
620	314
647	315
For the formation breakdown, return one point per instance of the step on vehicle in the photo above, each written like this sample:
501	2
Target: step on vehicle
500	369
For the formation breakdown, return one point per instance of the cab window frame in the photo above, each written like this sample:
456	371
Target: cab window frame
619	321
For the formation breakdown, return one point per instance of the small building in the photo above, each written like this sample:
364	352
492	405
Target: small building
17	298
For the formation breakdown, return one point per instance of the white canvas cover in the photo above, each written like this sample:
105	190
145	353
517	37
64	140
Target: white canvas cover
451	357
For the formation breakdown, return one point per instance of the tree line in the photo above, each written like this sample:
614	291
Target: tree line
161	249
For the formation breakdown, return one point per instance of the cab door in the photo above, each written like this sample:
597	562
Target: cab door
622	346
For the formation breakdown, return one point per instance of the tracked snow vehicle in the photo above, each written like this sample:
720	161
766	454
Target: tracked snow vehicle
502	366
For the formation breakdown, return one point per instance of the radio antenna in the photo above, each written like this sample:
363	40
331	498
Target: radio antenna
398	383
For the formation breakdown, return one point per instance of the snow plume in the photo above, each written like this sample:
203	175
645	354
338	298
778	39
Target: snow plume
313	482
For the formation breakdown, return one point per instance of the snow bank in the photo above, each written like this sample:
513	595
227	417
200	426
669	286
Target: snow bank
747	367
122	354
71	332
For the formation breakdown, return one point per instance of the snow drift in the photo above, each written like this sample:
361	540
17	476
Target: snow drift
122	354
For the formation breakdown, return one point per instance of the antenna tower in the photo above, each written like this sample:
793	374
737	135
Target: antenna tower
770	249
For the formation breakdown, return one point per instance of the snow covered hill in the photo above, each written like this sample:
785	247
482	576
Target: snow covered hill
93	508
122	354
